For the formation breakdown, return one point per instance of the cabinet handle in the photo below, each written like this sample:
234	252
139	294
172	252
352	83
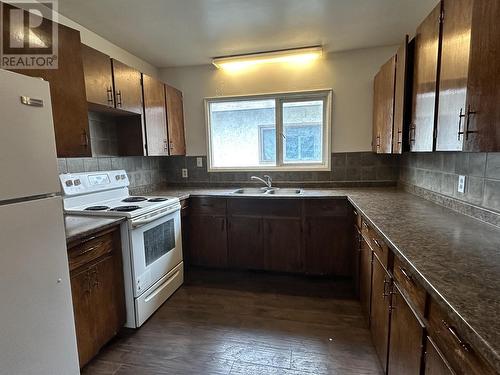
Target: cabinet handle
165	145
413	130
365	225
378	141
85	139
405	274
92	248
87	282
460	116
386	282
109	94
375	241
465	346
95	274
119	98
400	136
467	123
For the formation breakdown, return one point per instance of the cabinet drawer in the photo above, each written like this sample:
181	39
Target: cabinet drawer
448	338
326	207
89	250
357	219
376	243
207	206
413	290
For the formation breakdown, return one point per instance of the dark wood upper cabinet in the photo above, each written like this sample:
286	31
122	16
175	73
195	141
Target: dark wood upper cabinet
454	67
482	129
175	121
401	86
383	107
98	77
67	91
155	116
427	41
380	305
127	87
406	338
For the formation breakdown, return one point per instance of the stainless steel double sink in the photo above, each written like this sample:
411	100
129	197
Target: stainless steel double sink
268	191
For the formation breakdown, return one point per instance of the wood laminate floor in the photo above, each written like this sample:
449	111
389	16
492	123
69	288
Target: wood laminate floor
247	323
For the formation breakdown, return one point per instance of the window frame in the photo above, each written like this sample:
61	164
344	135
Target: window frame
280	98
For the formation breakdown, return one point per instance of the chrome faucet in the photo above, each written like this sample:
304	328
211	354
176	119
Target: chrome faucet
268	180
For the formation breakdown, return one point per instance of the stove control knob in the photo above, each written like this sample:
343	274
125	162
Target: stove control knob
117	177
122	177
77	182
69	183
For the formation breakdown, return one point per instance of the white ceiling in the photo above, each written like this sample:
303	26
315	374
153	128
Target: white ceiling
191	32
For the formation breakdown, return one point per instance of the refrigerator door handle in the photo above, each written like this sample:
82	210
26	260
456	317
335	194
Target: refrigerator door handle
26	100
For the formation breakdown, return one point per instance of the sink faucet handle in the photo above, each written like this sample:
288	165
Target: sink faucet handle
269	180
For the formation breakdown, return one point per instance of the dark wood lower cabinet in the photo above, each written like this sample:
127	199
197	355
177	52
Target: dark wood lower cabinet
365	278
406	338
380	310
282	244
97	291
208	240
435	363
246	241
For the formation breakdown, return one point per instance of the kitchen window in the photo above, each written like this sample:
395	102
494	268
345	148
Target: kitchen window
288	131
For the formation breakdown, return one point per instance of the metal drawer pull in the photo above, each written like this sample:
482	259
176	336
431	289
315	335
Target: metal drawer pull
386	282
92	248
377	243
405	274
457	338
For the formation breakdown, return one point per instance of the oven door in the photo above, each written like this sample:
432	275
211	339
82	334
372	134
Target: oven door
155	246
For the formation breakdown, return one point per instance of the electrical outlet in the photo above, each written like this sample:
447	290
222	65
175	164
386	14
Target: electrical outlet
184	173
199	162
461	184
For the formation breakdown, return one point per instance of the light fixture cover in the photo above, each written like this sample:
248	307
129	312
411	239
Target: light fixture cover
296	55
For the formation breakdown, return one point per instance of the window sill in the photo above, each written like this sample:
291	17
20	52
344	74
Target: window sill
303	168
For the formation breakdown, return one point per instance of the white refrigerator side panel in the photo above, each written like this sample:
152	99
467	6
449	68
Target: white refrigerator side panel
28	163
37	330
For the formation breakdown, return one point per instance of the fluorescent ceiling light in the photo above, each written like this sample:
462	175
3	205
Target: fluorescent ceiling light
292	56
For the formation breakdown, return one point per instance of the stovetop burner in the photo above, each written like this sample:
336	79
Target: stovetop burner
134	199
157	199
125	208
97	208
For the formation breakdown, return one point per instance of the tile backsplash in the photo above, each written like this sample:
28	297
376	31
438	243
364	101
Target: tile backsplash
438	172
348	169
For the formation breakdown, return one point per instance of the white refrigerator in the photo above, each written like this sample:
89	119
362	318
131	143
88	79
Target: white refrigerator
37	330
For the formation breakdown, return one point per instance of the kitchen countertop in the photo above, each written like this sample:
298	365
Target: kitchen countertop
79	227
455	257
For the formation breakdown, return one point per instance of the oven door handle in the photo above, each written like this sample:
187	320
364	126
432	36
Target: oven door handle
149	219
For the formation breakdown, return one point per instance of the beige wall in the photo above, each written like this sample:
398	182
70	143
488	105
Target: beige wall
350	75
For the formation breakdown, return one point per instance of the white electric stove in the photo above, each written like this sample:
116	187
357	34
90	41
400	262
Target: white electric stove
151	236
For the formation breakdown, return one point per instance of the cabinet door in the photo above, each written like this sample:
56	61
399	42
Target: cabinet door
175	121
383	107
108	301
483	90
67	90
128	88
328	246
424	83
455	46
246	242
400	93
208	241
365	278
98	77
84	317
380	304
283	244
435	363
155	116
407	333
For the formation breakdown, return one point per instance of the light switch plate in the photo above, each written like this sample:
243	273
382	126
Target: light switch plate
461	184
199	162
184	173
